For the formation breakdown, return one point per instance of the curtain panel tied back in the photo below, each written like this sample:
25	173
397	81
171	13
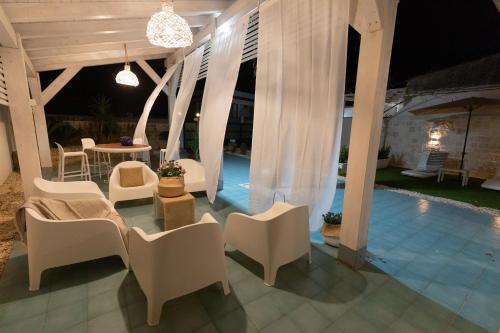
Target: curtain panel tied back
223	68
299	100
192	64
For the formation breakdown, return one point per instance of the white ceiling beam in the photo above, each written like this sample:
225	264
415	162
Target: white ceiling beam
7	33
365	15
67	41
30	68
87	60
48	12
77	28
69	50
59	82
152	74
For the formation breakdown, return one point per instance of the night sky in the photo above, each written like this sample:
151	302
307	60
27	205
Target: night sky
430	35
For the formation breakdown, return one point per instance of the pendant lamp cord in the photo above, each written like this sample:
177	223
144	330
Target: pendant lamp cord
126	54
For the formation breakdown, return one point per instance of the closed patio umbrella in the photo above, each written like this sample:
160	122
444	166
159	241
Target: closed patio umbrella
469	105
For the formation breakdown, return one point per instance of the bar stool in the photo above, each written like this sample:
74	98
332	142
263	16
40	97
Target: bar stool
99	161
84	171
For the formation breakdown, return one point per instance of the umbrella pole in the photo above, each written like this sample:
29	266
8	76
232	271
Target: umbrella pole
470	108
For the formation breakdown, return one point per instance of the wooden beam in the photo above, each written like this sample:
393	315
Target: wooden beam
40	123
92	48
56	85
79	28
30	69
152	74
7	33
68	41
97	58
105	10
368	112
21	116
365	15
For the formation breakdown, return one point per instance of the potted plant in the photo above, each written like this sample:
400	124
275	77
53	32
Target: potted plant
343	156
171	182
331	228
383	157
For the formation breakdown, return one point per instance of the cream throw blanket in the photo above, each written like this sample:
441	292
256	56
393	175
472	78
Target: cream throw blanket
58	209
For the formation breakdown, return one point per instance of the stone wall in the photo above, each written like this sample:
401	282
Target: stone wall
408	135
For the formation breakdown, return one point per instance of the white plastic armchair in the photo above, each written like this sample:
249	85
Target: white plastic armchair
68	191
194	179
118	193
274	238
64	242
174	263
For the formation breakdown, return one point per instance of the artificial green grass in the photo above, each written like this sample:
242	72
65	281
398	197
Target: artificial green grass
450	188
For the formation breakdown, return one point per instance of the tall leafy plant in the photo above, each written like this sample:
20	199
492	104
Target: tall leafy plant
106	124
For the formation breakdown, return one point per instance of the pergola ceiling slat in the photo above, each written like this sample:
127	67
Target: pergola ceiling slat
69	28
56	34
49	12
97	58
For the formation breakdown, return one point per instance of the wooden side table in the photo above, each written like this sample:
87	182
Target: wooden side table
176	212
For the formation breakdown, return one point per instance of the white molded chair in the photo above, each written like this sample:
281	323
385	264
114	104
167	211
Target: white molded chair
64	242
273	238
494	183
194	179
118	193
69	191
83	173
174	263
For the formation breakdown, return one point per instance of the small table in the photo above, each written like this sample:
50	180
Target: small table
464	173
116	148
176	212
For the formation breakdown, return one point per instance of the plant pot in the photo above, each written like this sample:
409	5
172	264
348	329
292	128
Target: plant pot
383	163
170	187
331	234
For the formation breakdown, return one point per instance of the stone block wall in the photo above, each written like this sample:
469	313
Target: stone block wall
408	135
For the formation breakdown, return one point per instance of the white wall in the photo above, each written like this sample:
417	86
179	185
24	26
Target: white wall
5	152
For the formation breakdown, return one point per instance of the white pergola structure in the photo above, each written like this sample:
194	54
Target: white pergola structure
57	34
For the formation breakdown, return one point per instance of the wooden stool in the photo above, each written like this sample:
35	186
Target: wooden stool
176	212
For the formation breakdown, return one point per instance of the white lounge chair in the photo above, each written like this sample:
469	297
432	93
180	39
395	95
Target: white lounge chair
194	179
494	183
72	190
118	193
174	263
428	165
64	242
273	238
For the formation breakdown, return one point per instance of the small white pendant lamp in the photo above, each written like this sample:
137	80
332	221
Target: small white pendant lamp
126	76
167	29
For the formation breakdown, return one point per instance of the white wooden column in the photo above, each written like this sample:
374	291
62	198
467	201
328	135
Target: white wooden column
371	87
21	116
40	122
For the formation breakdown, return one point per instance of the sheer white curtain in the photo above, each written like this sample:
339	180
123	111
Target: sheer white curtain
190	73
140	129
299	100
223	68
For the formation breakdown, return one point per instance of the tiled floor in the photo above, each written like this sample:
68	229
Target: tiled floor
442	274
